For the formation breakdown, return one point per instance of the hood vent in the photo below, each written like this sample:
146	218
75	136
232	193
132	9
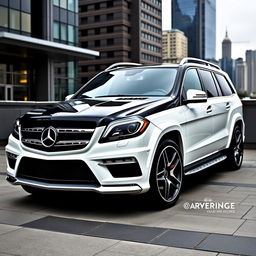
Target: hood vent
132	98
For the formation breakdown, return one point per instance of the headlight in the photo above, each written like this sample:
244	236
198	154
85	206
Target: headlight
15	131
124	129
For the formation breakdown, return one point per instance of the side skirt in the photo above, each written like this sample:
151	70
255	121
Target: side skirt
205	163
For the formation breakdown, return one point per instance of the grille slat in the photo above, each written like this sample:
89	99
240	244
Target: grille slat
68	138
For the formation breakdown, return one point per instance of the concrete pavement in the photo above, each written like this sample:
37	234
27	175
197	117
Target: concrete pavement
89	224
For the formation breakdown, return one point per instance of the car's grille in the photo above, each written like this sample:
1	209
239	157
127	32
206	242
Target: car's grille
56	171
64	137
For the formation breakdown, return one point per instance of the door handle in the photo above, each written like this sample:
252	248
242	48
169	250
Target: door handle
228	106
209	109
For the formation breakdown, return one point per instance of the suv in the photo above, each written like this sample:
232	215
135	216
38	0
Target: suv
131	129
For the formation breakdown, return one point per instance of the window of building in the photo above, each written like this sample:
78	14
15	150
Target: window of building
110	41
84	32
225	88
97	43
26	6
56	30
110	16
97	18
63	4
25	22
110	29
56	2
4	2
63	32
97	6
14	4
3	17
71	5
208	83
110	4
110	54
71	34
84	44
84	20
71	18
97	31
84	8
63	15
191	81
14	19
56	13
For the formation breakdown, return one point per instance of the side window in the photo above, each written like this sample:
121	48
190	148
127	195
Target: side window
208	83
191	81
226	90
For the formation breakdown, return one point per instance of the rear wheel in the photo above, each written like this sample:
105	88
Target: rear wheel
166	175
236	150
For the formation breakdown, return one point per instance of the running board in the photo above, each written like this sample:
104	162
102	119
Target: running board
206	165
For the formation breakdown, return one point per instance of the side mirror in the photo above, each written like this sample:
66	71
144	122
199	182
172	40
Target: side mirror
68	97
195	96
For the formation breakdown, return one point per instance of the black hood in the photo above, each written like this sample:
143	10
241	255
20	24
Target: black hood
99	111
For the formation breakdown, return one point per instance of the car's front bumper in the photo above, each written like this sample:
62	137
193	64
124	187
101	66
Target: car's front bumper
141	148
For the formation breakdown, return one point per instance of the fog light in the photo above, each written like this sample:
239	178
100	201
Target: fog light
11	159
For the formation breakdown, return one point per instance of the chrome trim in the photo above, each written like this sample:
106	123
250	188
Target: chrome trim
32	141
35	129
73	130
133	188
207	165
71	143
118	161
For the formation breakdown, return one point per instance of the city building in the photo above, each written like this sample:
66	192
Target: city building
251	67
38	49
241	75
175	46
122	30
197	19
227	63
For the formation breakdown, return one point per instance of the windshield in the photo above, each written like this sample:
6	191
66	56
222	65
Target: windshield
131	82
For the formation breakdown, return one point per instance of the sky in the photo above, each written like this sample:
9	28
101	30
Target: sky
238	16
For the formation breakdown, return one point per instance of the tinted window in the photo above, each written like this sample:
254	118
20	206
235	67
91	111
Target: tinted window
208	83
191	81
226	90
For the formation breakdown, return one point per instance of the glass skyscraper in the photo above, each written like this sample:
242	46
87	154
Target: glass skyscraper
197	19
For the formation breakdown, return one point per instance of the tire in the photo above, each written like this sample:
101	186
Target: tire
166	176
236	149
32	190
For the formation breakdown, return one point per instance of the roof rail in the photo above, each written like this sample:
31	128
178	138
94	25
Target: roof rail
122	65
199	61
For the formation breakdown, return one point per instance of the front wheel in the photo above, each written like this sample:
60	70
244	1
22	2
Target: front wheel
166	177
236	150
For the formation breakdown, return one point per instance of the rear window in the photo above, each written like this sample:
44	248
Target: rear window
226	90
208	83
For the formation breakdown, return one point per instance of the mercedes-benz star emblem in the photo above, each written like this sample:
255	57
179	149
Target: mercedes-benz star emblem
49	136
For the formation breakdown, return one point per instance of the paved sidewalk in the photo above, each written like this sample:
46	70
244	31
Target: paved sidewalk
89	224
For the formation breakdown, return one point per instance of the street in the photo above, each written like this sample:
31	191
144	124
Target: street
93	224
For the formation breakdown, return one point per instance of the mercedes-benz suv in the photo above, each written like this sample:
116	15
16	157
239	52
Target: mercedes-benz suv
131	129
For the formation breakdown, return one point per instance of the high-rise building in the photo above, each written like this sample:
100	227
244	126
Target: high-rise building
226	47
38	49
227	63
241	75
175	46
197	19
251	67
122	30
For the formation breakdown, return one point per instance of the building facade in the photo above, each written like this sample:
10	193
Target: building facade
241	75
38	49
122	30
175	46
197	19
251	67
227	47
